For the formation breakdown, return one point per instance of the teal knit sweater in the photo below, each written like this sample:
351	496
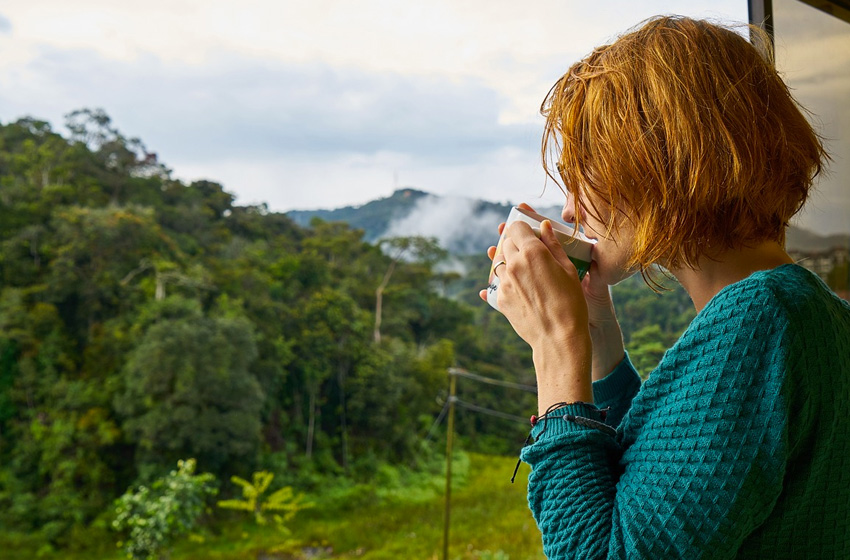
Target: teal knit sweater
738	445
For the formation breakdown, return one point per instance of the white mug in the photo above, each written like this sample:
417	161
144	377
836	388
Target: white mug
575	245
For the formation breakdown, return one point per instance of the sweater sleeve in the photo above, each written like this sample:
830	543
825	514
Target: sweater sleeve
702	465
616	390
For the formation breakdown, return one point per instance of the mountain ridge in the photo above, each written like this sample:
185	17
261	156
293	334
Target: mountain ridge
466	226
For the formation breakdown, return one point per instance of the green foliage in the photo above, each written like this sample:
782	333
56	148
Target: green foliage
282	504
154	516
488	514
487	555
143	320
646	347
392	392
638	306
187	387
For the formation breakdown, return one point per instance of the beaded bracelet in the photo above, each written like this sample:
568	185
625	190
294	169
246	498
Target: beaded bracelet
551	412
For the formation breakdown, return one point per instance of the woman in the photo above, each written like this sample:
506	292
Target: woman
679	146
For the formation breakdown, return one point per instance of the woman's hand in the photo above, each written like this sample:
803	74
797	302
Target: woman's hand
539	290
605	333
541	296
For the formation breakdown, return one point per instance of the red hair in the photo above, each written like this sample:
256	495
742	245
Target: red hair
684	129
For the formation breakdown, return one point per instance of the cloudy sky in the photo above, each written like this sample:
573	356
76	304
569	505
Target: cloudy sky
813	54
322	103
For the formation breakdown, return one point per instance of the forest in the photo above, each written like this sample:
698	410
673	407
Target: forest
145	321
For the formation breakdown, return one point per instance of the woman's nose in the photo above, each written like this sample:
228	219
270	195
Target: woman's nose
569	211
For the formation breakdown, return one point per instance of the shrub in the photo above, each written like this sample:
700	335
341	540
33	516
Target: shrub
155	516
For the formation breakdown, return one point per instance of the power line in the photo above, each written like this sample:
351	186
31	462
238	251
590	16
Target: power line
490	381
489	411
454	373
437	421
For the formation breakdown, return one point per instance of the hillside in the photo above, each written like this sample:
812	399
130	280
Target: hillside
799	239
373	217
466	226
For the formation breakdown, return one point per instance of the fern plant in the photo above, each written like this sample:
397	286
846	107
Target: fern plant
281	505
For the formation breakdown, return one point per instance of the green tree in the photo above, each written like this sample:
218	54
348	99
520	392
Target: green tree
143	320
331	342
187	388
639	306
93	249
646	347
393	397
423	250
59	435
120	158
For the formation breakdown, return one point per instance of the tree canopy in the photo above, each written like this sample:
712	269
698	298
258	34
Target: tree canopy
144	320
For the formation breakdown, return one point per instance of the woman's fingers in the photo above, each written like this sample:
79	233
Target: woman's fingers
547	235
536	291
522	238
596	291
525	206
521	233
516	232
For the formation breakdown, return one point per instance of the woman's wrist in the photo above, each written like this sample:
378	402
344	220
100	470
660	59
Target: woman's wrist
563	370
608	349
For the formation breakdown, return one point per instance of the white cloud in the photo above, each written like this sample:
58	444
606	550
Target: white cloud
514	48
324	103
453	221
247	106
288	182
284	133
822	84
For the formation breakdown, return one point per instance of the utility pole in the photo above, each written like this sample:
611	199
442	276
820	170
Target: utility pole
449	407
449	437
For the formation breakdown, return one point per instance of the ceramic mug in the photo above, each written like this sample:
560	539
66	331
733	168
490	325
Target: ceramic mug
575	244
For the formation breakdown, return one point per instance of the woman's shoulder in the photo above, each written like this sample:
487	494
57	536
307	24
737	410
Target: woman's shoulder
788	292
775	308
755	304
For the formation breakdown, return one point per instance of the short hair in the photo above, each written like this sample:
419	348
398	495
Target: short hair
684	128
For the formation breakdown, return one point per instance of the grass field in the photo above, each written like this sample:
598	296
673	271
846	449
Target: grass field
490	520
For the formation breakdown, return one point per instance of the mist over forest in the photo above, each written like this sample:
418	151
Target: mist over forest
467	226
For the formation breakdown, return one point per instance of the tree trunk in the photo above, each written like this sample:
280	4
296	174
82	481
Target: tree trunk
379	300
159	295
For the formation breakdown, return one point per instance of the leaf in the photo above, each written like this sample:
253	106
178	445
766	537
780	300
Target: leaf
262	479
236	504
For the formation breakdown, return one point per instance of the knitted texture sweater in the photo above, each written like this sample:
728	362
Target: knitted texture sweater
737	446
